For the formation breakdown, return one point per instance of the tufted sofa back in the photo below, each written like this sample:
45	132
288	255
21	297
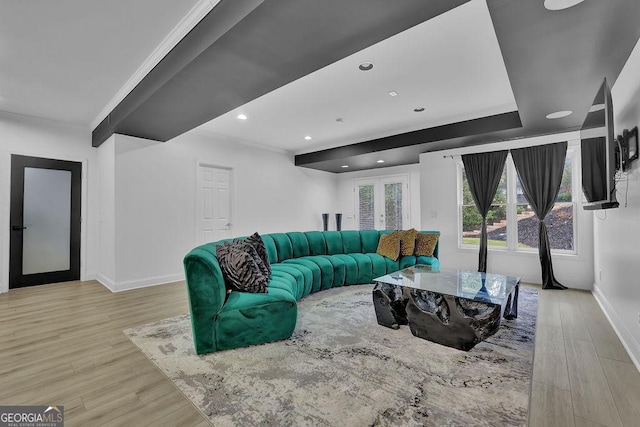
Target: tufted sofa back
283	246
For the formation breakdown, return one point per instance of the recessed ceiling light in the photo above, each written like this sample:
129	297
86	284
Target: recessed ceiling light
559	114
307	137
393	93
419	109
242	117
560	4
366	66
339	120
380	161
596	107
345	166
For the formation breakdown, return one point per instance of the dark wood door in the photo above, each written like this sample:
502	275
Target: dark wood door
44	221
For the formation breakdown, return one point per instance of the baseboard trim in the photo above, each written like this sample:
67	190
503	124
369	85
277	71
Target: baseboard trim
629	343
106	282
145	283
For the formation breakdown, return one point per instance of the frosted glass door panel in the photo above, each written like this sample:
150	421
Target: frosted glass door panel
393	203
47	218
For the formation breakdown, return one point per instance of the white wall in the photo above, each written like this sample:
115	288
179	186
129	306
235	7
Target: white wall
155	199
617	231
345	195
43	138
438	190
106	216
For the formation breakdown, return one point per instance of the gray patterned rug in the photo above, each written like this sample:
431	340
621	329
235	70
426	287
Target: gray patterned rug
341	368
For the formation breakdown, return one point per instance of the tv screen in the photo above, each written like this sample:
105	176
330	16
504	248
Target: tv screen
598	153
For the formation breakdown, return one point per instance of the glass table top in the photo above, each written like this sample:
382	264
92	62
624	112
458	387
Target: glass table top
460	283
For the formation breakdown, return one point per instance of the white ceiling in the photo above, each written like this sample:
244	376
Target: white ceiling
66	59
450	65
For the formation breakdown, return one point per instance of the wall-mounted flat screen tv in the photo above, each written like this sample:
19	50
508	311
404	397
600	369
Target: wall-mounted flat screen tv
598	153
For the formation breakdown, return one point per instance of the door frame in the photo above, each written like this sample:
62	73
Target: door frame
232	198
5	209
18	165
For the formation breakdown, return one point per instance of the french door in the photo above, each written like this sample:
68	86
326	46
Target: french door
382	203
44	220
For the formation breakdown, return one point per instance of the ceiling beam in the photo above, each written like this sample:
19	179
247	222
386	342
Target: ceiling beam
244	49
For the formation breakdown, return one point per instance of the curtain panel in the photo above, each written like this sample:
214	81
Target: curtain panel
483	172
540	171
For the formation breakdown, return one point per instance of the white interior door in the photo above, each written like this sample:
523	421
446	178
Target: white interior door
382	203
213	204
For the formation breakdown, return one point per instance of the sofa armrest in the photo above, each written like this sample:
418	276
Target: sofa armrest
207	293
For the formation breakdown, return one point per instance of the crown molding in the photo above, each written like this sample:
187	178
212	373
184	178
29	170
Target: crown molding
186	24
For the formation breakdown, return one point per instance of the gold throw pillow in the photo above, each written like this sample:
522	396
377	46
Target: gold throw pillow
408	241
389	245
426	243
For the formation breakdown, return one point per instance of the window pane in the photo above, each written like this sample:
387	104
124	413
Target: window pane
366	219
496	226
393	206
559	224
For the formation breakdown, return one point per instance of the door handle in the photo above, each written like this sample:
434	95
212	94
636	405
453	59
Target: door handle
18	228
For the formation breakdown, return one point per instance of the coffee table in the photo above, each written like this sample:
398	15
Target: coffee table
456	308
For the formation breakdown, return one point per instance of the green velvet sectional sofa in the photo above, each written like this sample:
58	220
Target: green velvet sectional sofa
301	263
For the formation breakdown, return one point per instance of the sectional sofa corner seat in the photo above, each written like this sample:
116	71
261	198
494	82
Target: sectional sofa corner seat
301	263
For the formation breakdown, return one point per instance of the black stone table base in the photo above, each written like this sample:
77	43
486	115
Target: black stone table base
445	319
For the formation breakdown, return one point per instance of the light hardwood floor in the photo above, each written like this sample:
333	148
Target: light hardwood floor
63	344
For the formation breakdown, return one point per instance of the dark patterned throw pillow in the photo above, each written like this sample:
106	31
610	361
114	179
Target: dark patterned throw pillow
256	241
251	250
240	270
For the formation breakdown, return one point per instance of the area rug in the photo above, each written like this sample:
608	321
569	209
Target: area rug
340	368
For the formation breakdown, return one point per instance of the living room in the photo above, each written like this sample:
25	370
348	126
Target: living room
139	201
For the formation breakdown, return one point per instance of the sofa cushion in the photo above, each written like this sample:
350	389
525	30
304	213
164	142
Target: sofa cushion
270	246
240	269
365	268
351	269
378	265
428	260
351	243
317	244
283	246
369	240
408	241
389	245
326	270
315	271
303	276
299	244
281	280
248	319
426	244
334	242
339	270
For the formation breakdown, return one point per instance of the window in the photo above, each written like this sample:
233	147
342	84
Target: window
511	223
381	203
